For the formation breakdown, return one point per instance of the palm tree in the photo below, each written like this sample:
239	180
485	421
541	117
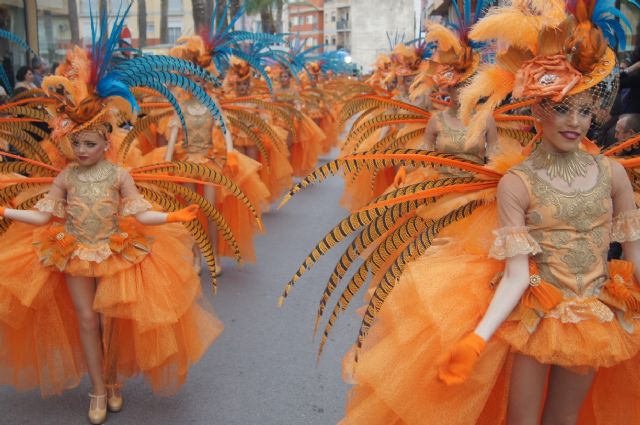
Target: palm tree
265	8
74	28
142	23
200	14
164	21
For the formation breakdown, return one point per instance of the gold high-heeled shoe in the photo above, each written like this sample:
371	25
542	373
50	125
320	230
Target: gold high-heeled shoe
115	401
97	408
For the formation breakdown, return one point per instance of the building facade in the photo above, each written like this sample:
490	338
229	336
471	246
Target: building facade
306	19
373	20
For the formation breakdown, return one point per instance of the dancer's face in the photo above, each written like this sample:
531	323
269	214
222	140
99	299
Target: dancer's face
284	79
242	87
565	124
89	147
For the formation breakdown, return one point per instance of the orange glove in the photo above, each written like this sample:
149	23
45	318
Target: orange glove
459	362
232	166
400	177
184	215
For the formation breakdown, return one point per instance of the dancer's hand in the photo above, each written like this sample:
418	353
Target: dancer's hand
232	165
184	215
400	177
457	365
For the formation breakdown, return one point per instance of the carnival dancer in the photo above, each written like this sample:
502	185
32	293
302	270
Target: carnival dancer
92	288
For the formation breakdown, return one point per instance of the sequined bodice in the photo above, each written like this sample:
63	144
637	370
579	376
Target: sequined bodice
454	141
572	229
92	203
199	124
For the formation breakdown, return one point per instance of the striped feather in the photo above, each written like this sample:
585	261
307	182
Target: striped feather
190	169
416	248
263	127
194	227
240	125
388	248
140	126
209	210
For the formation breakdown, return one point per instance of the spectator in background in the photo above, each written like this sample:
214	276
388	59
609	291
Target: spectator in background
54	66
628	125
3	95
39	68
630	85
24	80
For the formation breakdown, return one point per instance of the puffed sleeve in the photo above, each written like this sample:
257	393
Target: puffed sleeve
626	221
626	226
54	201
513	237
132	202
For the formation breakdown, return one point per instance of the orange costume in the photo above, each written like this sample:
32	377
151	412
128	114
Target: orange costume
156	322
584	327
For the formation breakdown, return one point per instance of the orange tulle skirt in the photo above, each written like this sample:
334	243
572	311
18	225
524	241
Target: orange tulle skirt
155	321
439	299
306	147
240	219
277	175
363	187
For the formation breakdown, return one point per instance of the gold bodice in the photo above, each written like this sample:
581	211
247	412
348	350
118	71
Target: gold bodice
199	125
93	200
454	141
572	230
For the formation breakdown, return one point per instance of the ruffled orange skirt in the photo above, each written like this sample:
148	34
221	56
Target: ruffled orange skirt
240	219
439	299
307	146
156	322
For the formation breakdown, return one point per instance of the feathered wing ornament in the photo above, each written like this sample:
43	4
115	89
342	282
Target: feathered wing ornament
393	229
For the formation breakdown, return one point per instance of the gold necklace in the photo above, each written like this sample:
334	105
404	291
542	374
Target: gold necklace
94	173
566	165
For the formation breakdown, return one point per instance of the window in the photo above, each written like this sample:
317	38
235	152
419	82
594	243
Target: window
294	20
333	41
173	33
151	28
309	19
333	16
54	30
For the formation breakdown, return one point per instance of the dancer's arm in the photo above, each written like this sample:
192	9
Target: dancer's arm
513	200
491	135
431	134
623	202
136	206
45	207
512	285
153	218
458	363
37	218
171	142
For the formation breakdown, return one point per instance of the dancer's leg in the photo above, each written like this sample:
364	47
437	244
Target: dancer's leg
528	378
567	391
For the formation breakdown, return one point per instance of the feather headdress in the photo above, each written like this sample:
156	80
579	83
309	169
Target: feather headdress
555	52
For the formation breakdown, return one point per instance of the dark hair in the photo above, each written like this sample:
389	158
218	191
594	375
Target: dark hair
631	122
54	66
36	62
22	73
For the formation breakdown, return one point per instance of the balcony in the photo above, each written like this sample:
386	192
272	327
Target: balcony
343	25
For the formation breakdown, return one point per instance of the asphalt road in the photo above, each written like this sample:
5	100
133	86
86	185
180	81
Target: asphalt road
262	370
